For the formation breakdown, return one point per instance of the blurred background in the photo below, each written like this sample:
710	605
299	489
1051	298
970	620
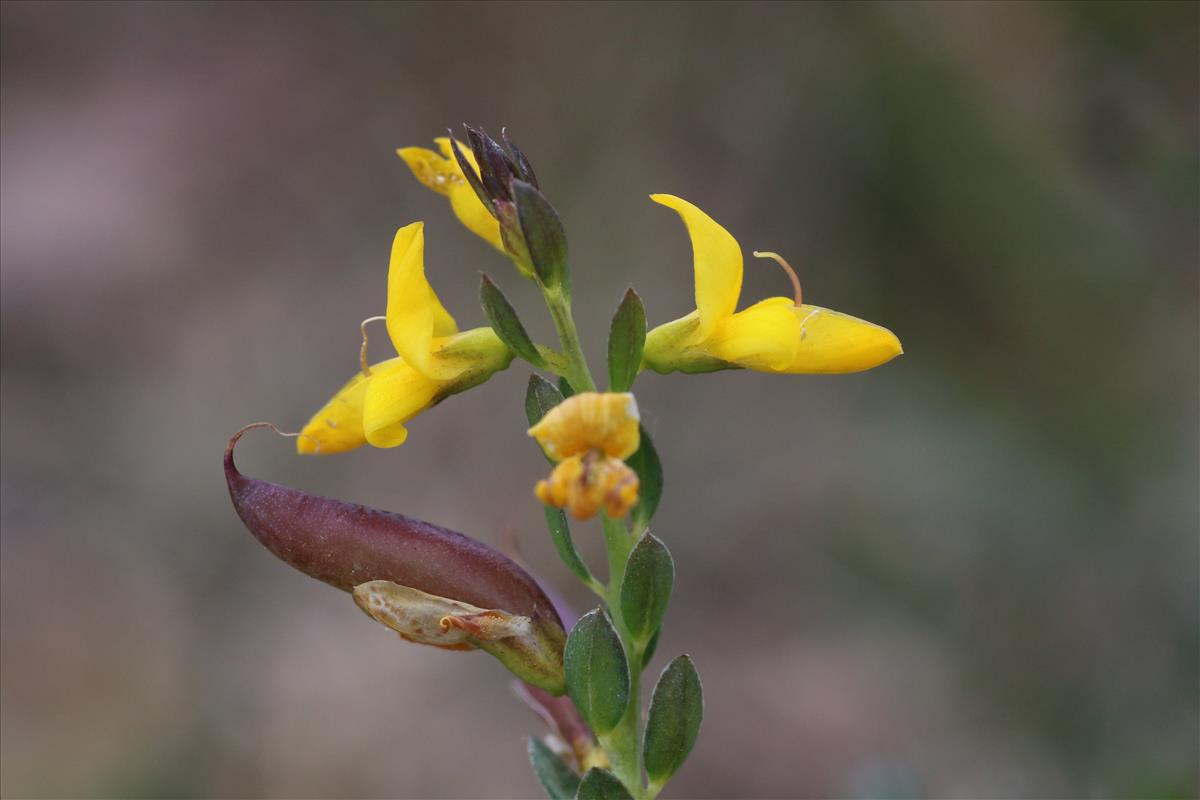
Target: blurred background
971	573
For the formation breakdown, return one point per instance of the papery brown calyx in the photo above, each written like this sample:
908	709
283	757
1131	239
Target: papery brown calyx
532	652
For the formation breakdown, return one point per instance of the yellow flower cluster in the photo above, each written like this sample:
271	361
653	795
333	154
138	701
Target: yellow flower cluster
589	435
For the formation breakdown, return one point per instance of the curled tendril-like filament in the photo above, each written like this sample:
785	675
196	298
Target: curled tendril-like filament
246	428
362	351
786	268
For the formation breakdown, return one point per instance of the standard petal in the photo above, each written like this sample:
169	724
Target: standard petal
832	342
414	313
763	337
395	394
718	263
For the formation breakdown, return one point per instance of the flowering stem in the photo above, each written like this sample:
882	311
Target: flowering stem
576	369
623	743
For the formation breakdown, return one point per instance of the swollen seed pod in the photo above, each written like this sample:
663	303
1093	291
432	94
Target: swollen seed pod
347	545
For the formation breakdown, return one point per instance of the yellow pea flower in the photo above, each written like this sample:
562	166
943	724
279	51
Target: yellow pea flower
442	174
435	361
588	435
779	334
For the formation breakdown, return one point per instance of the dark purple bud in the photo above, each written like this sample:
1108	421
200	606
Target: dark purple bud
469	172
524	168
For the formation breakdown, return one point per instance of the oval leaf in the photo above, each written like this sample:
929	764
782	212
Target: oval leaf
675	714
560	534
540	396
559	780
650	479
646	587
505	322
626	338
543	232
600	784
597	671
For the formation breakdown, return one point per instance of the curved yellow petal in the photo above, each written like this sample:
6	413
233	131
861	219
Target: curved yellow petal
763	337
474	216
442	174
832	342
717	263
414	313
337	427
433	171
394	394
606	421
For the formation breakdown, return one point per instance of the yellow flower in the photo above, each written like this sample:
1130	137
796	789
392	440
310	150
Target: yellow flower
777	335
435	361
589	434
442	174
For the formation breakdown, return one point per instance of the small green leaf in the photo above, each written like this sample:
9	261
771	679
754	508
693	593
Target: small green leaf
565	388
651	646
600	784
597	671
560	533
626	338
559	780
540	396
646	587
650	478
543	232
675	714
505	322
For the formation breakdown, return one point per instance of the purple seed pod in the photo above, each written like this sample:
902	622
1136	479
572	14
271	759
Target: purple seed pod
346	545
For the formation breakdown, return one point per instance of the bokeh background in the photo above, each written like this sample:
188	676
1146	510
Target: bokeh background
970	574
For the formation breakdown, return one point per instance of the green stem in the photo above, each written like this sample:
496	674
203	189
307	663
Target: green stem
623	743
576	372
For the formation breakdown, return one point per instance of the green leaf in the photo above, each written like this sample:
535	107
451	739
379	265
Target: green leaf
597	671
559	780
540	396
626	338
646	587
650	478
675	714
600	784
565	388
505	322
543	232
560	533
651	646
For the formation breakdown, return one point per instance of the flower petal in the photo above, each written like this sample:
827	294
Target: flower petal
718	263
606	421
414	313
432	170
337	427
395	394
763	337
442	174
474	217
832	342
